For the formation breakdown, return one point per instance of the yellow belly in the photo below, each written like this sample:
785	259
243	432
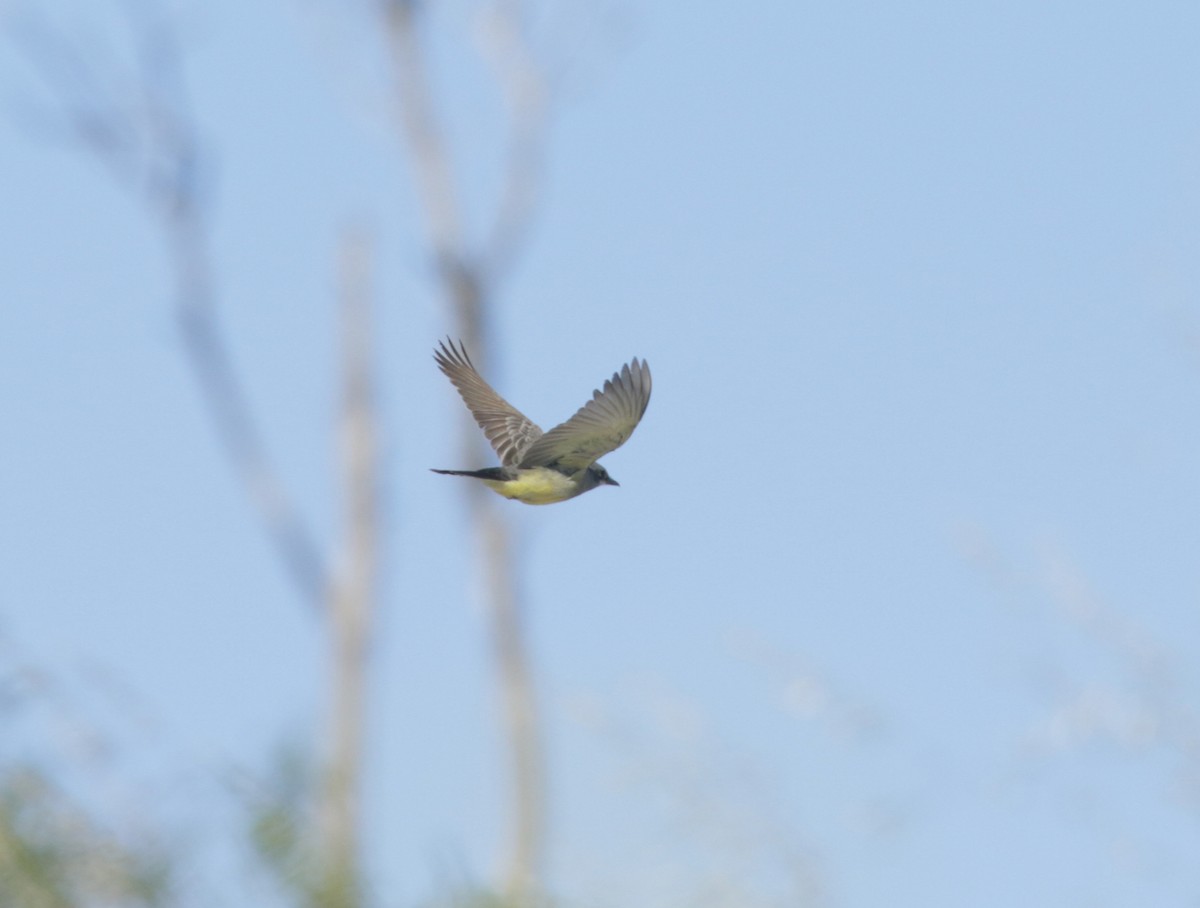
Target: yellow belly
536	486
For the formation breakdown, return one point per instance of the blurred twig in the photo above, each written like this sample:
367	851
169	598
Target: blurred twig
144	134
724	831
1148	708
525	92
1141	708
468	282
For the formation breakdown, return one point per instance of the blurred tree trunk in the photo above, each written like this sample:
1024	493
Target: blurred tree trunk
353	598
467	281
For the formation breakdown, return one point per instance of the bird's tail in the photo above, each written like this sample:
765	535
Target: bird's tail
489	473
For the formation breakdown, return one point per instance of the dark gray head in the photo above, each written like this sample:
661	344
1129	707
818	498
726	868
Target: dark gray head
601	475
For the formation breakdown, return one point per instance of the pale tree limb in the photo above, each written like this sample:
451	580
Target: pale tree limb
520	712
146	138
354	596
525	92
429	153
148	141
467	282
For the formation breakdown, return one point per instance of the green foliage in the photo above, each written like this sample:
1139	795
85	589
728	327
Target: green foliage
54	855
465	893
282	813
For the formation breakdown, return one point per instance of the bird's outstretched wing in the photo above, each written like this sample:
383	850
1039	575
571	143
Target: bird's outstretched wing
601	425
508	429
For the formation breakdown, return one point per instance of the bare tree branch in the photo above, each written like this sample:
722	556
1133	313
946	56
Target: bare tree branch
429	153
148	141
519	704
354	599
467	283
525	93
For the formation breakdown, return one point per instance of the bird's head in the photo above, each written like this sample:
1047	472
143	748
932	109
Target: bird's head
601	475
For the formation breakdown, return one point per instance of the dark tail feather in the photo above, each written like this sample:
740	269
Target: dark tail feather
489	473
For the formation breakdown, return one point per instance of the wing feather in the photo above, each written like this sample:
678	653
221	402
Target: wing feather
601	425
508	430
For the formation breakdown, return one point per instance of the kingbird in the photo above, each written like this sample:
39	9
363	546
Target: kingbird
544	467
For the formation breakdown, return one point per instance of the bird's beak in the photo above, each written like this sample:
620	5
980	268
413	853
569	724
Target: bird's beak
609	481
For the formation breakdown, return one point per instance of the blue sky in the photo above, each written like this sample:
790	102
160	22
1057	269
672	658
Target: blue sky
900	584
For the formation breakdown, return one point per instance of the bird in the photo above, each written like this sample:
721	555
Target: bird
539	467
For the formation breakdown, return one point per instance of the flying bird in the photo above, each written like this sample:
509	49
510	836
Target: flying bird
539	467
